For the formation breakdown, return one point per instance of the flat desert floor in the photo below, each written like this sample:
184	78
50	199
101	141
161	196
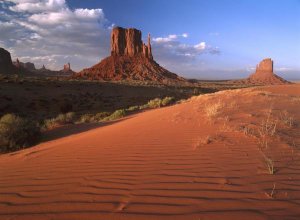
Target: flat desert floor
233	154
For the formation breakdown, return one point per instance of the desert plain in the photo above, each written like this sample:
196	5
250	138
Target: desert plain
228	155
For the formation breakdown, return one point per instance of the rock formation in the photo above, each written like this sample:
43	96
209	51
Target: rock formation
67	67
67	70
130	59
128	42
24	66
30	66
264	74
6	65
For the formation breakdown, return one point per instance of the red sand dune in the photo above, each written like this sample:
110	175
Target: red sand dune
161	165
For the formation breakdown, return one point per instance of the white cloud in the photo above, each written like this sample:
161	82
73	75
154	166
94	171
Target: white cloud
49	32
182	58
169	38
185	35
201	46
35	6
170	47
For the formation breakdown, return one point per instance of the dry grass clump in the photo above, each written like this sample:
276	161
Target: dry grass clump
157	102
270	164
86	118
272	193
133	108
204	141
247	130
286	119
267	129
212	110
116	115
99	116
61	119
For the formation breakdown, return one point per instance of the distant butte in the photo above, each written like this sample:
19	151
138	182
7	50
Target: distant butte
130	59
265	75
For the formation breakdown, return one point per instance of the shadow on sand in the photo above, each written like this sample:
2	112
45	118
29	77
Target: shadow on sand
72	129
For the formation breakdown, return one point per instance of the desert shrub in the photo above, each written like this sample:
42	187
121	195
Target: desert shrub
99	116
17	132
86	118
66	118
133	108
155	103
141	107
61	119
167	101
116	115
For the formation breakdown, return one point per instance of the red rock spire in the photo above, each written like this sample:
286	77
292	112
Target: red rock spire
149	48
128	42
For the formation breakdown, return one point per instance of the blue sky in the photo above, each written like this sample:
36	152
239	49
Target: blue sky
213	39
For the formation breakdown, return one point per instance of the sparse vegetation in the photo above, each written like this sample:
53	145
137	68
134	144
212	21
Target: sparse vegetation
99	116
267	129
154	103
133	108
167	101
272	193
213	109
247	130
86	118
157	102
116	115
268	126
61	119
17	132
286	119
203	141
270	164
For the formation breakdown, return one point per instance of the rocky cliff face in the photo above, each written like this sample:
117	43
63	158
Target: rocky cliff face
6	65
27	66
30	66
264	74
265	65
130	59
128	42
67	67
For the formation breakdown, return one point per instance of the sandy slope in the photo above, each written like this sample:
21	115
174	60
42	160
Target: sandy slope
170	163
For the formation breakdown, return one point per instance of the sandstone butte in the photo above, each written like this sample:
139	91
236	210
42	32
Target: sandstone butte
265	75
130	59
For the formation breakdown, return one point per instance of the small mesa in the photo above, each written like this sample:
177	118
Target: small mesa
265	75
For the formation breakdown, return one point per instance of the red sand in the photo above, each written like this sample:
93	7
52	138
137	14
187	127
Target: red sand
157	165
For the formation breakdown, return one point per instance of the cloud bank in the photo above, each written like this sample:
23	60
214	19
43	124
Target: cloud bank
49	32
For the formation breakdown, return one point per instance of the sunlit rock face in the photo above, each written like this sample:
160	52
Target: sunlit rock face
264	74
128	42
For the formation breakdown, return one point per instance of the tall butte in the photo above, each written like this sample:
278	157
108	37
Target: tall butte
130	59
265	75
